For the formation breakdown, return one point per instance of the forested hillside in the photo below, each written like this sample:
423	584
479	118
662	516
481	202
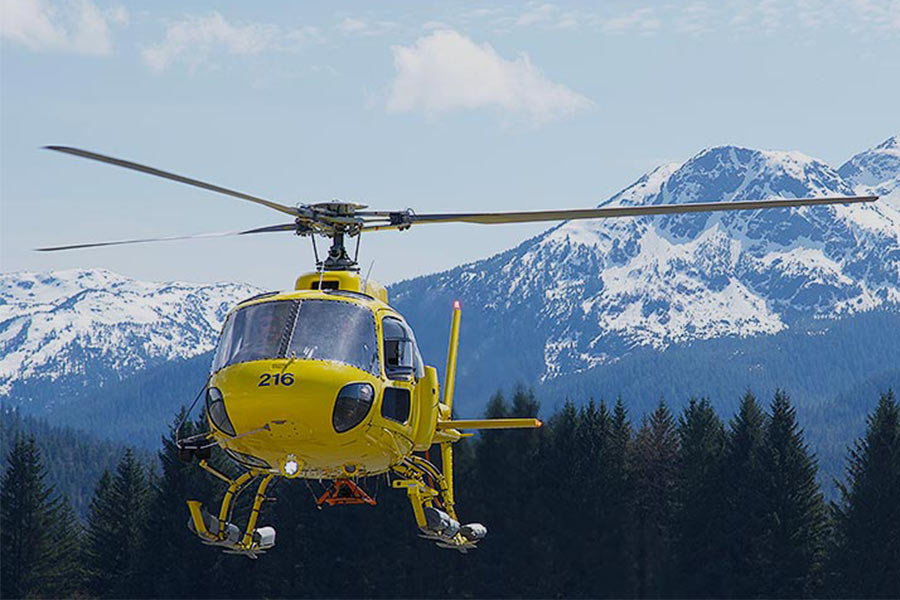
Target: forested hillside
592	505
74	458
834	370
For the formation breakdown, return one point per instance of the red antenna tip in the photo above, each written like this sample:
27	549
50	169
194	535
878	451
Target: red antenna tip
456	305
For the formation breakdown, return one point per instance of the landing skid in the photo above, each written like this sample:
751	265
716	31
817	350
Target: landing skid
219	531
449	543
433	503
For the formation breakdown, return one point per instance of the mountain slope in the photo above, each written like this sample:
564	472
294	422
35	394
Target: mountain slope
577	297
86	328
588	293
876	171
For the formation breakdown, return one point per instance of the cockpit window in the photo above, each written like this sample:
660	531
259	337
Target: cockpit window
257	332
401	354
308	329
334	330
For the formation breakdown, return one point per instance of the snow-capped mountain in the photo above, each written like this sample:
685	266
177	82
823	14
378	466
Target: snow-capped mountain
93	324
587	292
579	295
876	171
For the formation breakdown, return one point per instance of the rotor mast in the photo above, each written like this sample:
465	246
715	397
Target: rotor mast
338	259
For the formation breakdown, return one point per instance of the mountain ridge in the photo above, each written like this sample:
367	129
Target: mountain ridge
585	293
78	323
579	295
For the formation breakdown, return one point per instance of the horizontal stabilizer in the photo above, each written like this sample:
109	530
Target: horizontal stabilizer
490	424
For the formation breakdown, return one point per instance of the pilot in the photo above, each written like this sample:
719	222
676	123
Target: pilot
264	328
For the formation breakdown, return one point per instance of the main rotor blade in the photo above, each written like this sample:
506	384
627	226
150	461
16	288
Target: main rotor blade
617	211
270	228
127	164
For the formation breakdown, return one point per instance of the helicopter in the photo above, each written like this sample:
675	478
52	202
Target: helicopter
326	382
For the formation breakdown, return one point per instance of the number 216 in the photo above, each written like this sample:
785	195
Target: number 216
276	379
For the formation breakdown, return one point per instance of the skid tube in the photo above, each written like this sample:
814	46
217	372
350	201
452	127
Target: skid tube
434	509
220	531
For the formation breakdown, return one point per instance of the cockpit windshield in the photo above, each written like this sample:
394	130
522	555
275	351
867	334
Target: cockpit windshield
305	329
341	331
256	332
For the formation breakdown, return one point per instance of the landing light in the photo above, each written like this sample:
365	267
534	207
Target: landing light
291	466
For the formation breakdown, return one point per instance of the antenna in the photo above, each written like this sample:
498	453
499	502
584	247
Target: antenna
366	280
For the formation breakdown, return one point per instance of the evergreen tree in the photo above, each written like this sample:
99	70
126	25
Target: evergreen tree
745	485
701	539
115	533
38	533
527	508
797	519
175	556
594	425
492	478
866	559
616	560
566	519
655	452
507	501
67	575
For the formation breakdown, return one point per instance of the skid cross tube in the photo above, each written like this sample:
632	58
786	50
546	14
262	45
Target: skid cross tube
247	542
235	486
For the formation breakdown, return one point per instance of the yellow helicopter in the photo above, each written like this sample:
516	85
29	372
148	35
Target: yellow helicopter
326	381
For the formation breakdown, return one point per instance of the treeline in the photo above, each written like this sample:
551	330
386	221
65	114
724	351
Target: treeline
77	458
591	505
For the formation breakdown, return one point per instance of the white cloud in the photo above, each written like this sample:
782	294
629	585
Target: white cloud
351	25
883	17
431	25
695	19
118	15
547	15
195	39
362	27
75	26
765	16
640	20
858	17
537	15
447	71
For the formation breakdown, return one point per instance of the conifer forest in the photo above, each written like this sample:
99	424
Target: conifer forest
593	505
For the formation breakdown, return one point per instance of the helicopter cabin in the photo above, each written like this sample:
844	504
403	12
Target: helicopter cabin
336	370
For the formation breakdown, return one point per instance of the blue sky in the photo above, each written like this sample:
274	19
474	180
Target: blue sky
436	106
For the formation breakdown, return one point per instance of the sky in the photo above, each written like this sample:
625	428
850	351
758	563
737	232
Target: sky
450	106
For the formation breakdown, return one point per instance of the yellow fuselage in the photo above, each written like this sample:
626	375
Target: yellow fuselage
282	408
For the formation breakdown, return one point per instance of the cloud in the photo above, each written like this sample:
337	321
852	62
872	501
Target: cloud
695	19
195	39
858	17
446	71
883	17
547	15
362	27
431	25
640	20
75	26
